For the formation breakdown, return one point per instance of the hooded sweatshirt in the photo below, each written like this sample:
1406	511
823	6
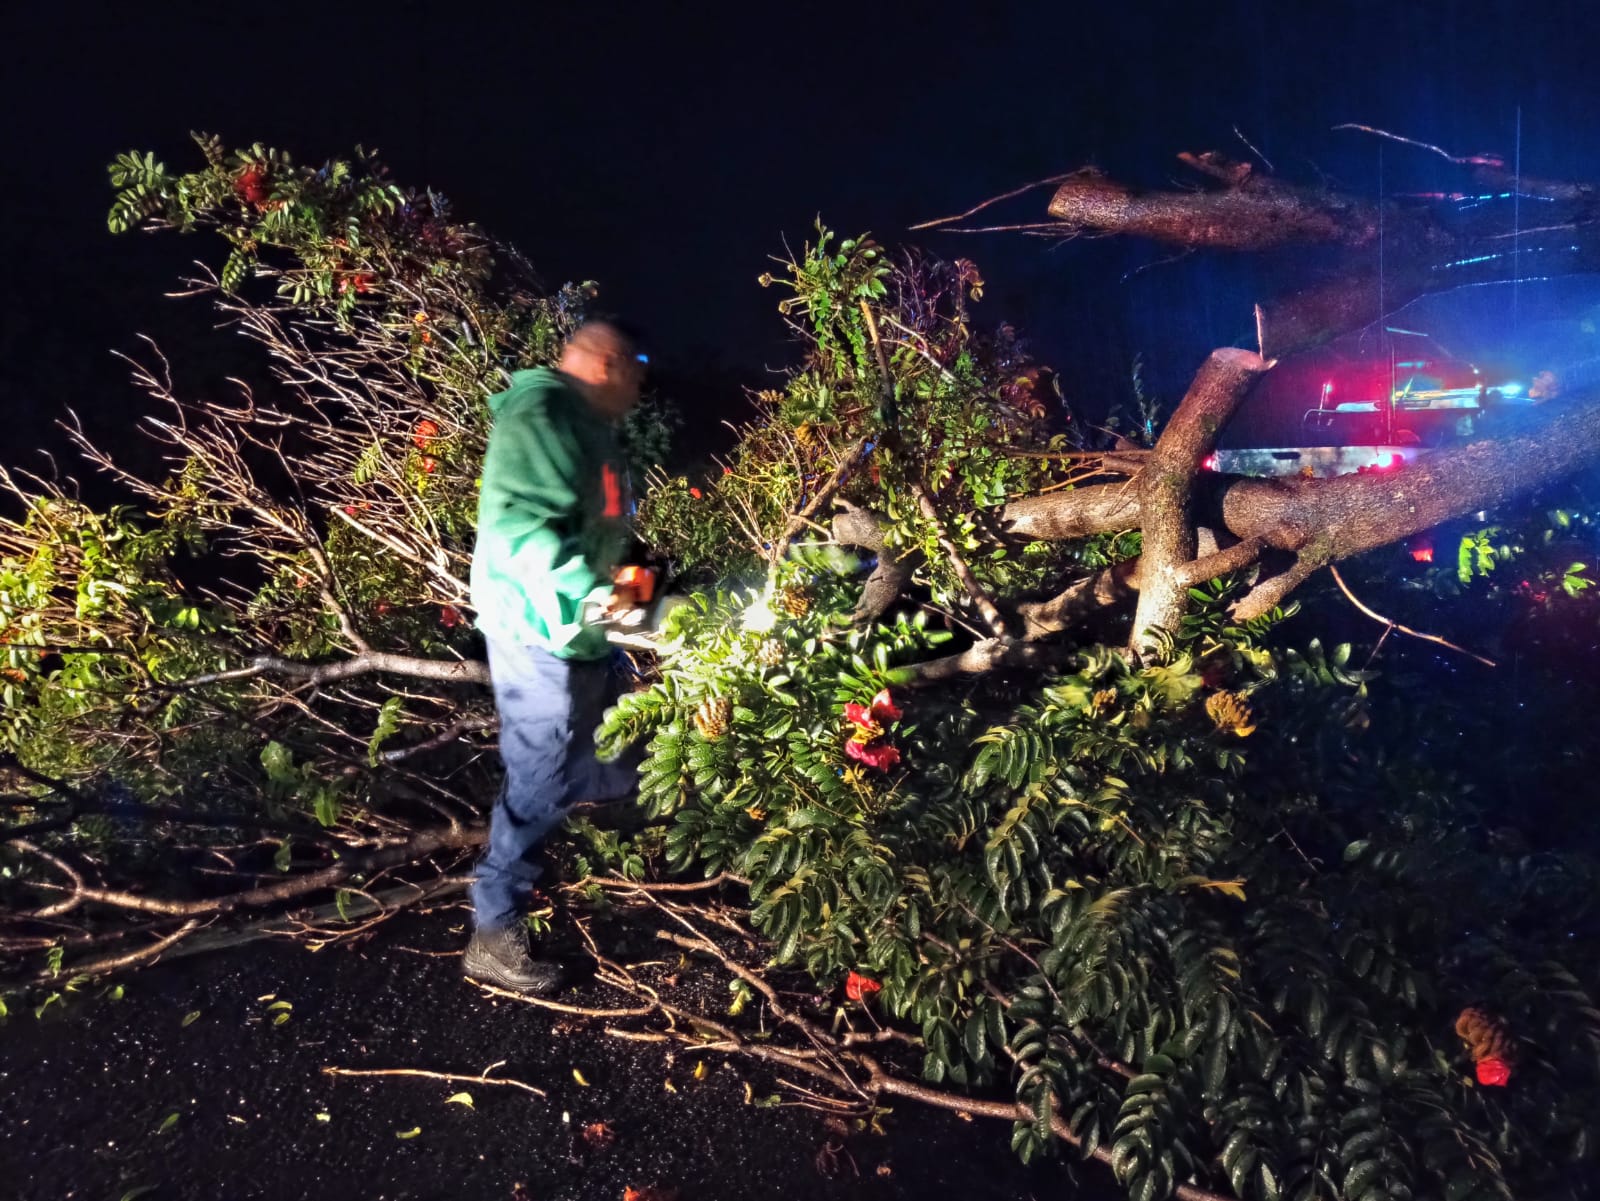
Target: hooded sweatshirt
552	517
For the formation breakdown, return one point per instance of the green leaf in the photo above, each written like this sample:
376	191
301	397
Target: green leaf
168	1122
278	761
388	725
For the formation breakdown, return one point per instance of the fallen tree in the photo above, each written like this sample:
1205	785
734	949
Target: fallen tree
990	726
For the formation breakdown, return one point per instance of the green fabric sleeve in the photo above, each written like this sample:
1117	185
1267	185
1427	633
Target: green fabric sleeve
531	479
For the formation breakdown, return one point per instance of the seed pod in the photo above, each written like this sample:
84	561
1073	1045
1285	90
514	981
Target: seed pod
1230	713
795	601
1486	1035
713	716
769	653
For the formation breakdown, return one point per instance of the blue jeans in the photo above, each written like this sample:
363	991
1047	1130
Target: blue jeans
549	709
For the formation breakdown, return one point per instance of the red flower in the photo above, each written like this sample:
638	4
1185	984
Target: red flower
450	617
858	987
349	510
694	492
425	432
869	717
874	754
727	471
1495	1072
884	708
251	185
430	464
381	606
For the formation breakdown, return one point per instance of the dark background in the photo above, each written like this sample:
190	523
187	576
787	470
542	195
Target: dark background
667	149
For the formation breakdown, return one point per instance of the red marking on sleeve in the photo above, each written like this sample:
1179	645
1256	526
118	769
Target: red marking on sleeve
613	490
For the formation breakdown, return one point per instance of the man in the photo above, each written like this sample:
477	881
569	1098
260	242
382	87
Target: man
552	528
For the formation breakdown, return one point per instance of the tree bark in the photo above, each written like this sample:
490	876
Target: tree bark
1317	521
855	526
1256	214
1167	485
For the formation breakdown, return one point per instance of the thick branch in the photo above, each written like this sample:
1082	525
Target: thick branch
1076	513
1167	484
463	671
1259	214
1115	585
855	526
422	845
991	654
1323	521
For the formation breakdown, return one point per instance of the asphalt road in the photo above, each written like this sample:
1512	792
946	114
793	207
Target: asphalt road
233	1044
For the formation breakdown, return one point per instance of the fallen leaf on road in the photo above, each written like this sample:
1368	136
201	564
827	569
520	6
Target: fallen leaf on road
599	1135
578	1076
650	1192
460	1099
412	1133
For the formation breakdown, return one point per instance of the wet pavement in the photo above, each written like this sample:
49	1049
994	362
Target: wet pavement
233	1043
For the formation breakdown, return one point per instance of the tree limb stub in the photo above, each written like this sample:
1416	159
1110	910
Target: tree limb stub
1079	513
855	526
1167	485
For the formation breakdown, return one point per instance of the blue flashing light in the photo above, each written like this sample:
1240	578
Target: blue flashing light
1510	389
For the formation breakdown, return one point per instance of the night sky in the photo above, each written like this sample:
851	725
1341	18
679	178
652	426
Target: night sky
667	149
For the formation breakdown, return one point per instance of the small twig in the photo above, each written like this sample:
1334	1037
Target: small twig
1404	629
1465	160
449	1077
111	963
716	881
582	1011
1240	135
978	208
981	598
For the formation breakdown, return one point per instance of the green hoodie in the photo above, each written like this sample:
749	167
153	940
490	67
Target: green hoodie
552	516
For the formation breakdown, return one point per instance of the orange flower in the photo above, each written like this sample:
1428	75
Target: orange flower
430	464
1494	1072
425	432
858	987
695	492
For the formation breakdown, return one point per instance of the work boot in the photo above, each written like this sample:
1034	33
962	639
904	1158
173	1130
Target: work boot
500	957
